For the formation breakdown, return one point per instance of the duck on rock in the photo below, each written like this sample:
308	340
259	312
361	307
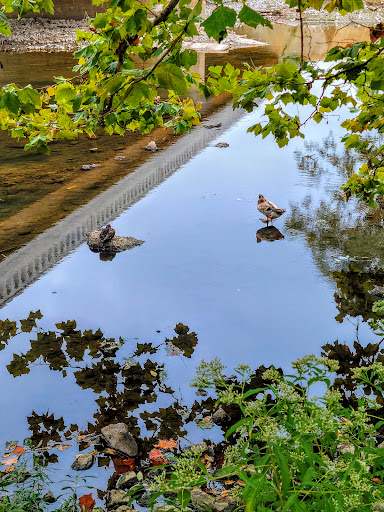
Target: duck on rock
106	234
270	210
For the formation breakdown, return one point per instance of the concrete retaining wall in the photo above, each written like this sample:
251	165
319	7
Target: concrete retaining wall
69	9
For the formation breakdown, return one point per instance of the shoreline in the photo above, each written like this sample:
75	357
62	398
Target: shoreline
49	35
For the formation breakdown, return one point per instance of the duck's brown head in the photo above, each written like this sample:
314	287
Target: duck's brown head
261	199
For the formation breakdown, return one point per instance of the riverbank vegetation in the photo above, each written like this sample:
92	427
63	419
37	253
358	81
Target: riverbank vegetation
306	439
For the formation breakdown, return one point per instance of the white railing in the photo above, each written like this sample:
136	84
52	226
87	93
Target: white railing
27	264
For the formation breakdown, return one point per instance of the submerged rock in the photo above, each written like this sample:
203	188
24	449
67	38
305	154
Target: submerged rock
220	416
127	480
117	499
120	439
83	461
222	145
201	499
151	146
49	497
225	505
117	244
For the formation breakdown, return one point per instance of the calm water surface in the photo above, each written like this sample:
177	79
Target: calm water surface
201	264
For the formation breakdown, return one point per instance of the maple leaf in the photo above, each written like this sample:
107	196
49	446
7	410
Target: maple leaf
19	450
166	444
156	457
86	503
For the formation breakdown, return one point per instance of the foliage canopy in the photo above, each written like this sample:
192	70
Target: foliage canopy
132	54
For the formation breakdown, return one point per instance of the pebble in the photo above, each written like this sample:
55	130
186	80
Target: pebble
83	461
89	167
222	145
151	146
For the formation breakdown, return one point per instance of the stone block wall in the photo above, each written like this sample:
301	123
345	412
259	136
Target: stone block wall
69	10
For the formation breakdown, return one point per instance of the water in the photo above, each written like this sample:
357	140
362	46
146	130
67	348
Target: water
202	265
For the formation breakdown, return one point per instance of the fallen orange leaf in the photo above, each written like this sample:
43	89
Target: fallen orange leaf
18	450
166	444
156	457
229	482
10	460
63	447
86	503
241	482
11	468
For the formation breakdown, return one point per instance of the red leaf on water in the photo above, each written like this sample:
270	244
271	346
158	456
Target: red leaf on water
156	457
123	465
86	503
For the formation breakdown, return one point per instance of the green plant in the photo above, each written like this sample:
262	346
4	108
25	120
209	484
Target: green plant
290	451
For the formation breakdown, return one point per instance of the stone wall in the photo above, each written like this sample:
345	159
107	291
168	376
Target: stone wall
70	10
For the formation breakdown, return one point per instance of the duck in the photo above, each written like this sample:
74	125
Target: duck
106	234
270	210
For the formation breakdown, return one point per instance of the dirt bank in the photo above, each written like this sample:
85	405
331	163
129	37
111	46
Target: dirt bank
45	35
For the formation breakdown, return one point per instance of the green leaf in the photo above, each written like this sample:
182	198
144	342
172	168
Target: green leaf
65	93
11	102
253	18
215	26
184	497
170	76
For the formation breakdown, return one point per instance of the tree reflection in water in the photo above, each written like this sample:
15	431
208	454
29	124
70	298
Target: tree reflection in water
346	239
121	385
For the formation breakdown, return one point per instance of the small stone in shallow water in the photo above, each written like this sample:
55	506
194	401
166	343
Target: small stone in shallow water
119	157
127	480
83	461
116	499
222	145
94	150
220	416
210	126
88	167
49	497
151	146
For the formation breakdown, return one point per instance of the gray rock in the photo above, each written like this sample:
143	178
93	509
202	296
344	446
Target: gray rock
117	244
119	438
201	392
220	416
127	480
347	448
163	508
83	461
222	145
89	167
379	507
224	505
119	157
377	291
210	126
201	499
124	508
49	497
117	499
197	447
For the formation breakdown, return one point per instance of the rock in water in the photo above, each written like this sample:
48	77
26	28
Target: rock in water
220	416
83	461
117	499
151	146
116	244
127	480
120	439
